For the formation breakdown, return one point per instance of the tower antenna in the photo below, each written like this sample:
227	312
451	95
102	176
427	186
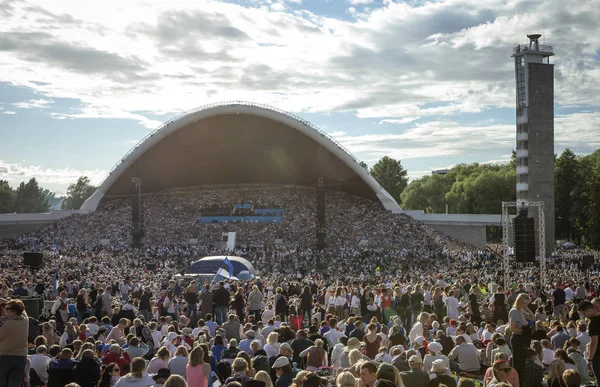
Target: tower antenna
544	29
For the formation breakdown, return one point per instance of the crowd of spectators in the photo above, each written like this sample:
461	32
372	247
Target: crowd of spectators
389	301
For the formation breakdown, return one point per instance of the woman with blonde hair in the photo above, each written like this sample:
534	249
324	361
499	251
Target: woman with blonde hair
178	363
255	302
197	370
272	346
519	341
354	356
159	360
345	379
557	368
298	381
264	376
175	381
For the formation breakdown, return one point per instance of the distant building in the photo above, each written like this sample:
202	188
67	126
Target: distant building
440	172
535	129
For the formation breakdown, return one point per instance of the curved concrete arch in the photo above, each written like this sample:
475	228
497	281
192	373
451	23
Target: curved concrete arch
245	108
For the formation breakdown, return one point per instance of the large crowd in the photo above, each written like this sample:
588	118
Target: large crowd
388	301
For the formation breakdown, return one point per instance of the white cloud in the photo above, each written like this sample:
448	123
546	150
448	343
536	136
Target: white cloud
405	120
355	2
9	112
17	172
338	133
34	103
404	59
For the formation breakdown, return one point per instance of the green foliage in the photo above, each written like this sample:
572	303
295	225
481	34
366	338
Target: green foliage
30	197
566	176
7	197
467	188
77	193
364	165
391	175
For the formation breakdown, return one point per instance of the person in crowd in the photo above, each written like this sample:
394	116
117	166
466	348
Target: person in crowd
590	312
160	360
110	375
368	373
520	331
441	375
345	379
87	370
572	378
415	377
137	377
465	356
240	372
435	353
13	342
116	354
556	370
178	363
197	371
160	378
60	370
283	370
175	381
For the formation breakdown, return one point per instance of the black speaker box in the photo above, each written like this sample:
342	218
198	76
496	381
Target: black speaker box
587	261
33	259
524	239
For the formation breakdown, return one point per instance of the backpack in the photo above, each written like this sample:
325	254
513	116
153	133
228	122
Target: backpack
260	363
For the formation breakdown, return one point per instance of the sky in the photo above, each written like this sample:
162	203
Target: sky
430	83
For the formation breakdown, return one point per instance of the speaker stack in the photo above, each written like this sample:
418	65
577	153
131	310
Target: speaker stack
33	259
524	237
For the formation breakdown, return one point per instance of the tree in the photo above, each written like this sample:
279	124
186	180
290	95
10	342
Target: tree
592	209
414	197
7	197
391	175
77	193
364	165
427	193
30	197
566	178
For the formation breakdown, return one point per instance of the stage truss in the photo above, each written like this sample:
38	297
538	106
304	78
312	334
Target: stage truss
507	225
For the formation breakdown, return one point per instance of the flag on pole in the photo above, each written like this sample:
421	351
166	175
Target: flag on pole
55	282
226	269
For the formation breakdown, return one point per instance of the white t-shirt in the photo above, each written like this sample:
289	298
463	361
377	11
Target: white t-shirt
452	305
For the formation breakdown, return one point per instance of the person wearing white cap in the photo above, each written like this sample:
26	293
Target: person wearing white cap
441	375
283	370
415	377
465	356
435	353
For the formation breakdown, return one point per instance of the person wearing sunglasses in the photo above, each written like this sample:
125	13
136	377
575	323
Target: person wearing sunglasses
110	375
13	342
501	370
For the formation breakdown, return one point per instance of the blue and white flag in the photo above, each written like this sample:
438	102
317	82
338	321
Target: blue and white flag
55	282
226	269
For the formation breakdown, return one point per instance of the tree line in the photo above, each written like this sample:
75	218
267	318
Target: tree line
481	188
29	197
